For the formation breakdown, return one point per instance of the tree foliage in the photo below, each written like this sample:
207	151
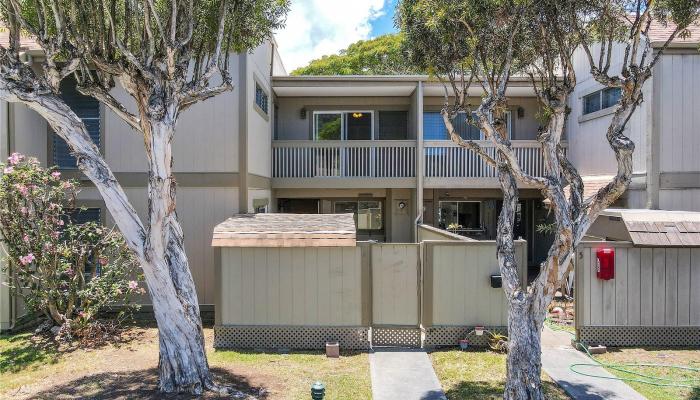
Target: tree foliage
382	55
482	45
67	271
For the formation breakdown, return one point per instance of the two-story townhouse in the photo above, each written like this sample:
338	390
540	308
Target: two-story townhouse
377	146
221	151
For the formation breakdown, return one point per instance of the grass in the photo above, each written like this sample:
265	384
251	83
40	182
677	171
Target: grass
686	357
344	378
479	374
32	368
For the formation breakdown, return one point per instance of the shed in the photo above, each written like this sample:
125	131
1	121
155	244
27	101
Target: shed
649	227
286	230
652	299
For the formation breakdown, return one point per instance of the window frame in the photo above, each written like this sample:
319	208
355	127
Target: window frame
601	110
357	201
264	111
481	212
343	123
509	124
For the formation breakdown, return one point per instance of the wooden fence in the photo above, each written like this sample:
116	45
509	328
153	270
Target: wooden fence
653	299
302	297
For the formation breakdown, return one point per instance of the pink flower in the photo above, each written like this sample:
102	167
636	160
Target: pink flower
15	158
55	234
133	285
55	175
22	189
24	210
24	260
103	261
25	238
66	185
60	222
8	170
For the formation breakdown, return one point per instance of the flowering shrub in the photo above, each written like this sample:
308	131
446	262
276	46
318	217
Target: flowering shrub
65	270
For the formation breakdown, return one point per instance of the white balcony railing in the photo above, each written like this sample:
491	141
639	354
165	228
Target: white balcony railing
344	159
445	159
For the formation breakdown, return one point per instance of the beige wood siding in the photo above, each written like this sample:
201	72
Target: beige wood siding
290	286
678	119
652	287
461	292
395	284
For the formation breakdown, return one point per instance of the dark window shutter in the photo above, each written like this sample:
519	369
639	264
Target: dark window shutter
81	216
88	109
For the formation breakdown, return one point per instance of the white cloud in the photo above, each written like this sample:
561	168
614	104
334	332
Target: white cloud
318	27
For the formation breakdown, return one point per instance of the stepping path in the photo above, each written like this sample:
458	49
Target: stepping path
558	355
403	374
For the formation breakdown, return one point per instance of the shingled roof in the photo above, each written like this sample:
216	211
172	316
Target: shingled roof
659	227
286	230
659	33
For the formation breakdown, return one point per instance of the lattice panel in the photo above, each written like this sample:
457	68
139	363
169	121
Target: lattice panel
437	336
399	337
640	335
290	337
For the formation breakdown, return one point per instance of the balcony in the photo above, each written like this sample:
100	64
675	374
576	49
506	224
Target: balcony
339	163
449	165
390	164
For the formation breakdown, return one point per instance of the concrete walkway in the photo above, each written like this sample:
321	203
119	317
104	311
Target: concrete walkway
403	374
558	355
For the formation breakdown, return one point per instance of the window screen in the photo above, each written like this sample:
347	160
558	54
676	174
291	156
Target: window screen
393	125
88	109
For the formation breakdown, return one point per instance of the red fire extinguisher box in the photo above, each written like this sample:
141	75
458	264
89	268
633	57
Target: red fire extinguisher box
605	263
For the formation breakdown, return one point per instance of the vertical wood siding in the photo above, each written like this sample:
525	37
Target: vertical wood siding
318	286
395	291
652	287
461	288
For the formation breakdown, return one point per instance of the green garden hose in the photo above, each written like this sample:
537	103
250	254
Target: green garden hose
643	378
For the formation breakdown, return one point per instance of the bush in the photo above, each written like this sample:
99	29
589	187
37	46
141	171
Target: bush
65	270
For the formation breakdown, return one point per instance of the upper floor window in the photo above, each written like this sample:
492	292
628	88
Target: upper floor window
600	100
88	110
261	98
343	125
393	125
434	127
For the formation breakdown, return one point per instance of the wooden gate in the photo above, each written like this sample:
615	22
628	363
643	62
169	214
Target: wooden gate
395	279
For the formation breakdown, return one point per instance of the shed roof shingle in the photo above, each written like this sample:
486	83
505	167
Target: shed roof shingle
285	230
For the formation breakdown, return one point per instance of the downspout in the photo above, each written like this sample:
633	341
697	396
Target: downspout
419	158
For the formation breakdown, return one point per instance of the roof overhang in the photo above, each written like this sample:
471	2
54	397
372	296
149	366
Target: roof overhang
286	230
378	85
642	227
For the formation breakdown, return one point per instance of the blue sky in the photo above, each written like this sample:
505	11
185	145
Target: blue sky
385	23
318	27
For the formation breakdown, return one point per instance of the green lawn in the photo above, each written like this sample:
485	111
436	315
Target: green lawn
344	378
687	357
36	369
478	374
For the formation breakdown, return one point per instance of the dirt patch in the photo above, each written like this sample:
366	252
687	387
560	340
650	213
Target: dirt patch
127	369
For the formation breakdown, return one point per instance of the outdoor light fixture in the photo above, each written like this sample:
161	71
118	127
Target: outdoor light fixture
302	114
402	205
521	112
357	115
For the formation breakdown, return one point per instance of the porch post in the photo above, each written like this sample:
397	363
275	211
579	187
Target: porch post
419	158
